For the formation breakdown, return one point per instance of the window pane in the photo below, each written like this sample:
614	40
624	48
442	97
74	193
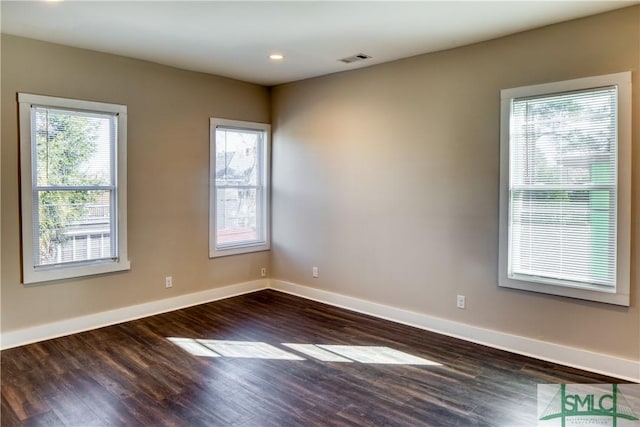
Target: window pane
237	156
73	226
73	148
557	140
563	187
239	174
568	235
237	219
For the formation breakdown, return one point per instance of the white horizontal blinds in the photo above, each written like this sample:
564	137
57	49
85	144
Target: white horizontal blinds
73	178
239	186
563	167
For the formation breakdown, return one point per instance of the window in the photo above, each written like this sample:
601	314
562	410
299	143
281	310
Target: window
565	188
239	190
73	175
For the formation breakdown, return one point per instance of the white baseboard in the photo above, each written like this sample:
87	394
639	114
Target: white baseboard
556	353
92	321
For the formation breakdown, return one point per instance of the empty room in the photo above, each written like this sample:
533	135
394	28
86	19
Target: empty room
309	213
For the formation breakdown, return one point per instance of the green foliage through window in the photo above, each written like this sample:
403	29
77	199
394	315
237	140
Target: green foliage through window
68	157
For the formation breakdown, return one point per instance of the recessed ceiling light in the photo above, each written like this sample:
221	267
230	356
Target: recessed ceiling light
276	57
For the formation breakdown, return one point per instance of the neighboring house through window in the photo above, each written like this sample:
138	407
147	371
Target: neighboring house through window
565	188
239	190
73	174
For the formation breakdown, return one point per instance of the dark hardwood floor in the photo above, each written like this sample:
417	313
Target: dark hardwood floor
131	374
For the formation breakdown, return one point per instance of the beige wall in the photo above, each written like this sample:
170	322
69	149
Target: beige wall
168	148
386	178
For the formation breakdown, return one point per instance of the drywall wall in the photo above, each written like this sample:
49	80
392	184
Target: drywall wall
168	177
386	178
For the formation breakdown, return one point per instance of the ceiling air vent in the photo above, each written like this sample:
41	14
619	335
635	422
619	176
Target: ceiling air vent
354	58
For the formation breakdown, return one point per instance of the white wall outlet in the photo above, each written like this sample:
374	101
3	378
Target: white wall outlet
314	271
168	282
263	272
460	302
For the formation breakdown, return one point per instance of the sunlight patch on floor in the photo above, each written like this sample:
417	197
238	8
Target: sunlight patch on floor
375	354
248	349
193	347
316	352
322	352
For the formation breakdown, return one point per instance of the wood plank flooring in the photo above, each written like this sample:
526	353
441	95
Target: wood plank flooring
132	375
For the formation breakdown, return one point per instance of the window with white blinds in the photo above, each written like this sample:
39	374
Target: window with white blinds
562	149
73	193
239	193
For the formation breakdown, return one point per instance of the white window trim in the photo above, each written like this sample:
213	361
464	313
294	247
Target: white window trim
619	295
30	274
214	251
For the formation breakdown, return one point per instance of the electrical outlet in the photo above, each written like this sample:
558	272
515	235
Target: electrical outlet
168	282
460	303
314	271
263	272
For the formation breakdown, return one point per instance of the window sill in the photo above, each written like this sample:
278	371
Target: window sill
47	274
598	295
237	250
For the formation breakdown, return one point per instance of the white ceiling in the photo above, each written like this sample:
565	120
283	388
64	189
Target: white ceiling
234	38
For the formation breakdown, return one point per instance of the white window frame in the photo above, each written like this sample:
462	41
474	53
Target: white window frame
618	295
216	250
31	273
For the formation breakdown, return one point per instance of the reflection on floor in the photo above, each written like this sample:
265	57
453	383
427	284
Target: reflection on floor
322	352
